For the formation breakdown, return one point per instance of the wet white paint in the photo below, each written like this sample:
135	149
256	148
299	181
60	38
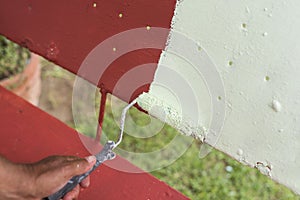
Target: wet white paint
240	152
161	110
276	105
257	63
264	168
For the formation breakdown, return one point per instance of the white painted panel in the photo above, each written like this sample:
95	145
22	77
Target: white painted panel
255	46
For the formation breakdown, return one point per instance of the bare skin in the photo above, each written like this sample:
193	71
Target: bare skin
41	179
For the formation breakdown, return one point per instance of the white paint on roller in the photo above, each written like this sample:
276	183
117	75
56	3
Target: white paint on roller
264	168
268	46
160	109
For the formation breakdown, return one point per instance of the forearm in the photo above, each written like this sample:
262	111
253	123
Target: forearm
15	180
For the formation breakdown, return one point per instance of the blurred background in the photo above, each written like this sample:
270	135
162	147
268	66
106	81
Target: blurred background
217	176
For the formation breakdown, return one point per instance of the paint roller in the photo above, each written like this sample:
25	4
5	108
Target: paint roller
171	116
105	154
147	102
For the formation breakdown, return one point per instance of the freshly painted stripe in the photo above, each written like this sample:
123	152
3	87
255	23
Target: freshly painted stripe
254	47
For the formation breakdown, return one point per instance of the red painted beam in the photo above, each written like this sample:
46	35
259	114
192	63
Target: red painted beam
66	31
29	134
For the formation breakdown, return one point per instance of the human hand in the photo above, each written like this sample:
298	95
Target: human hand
37	180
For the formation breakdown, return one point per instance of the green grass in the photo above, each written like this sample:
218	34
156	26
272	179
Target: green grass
197	178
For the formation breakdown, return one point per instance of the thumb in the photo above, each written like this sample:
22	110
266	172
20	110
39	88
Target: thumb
79	166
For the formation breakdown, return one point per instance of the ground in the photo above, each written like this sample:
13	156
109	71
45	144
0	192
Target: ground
217	176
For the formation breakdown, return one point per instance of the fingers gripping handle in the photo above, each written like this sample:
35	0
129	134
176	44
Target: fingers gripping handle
105	154
67	188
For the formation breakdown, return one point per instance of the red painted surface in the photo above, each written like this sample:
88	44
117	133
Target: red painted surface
66	31
29	134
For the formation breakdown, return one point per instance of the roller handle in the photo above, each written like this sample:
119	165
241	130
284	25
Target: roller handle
105	154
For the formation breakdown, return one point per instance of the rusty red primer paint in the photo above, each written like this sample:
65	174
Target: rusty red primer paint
29	134
65	32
